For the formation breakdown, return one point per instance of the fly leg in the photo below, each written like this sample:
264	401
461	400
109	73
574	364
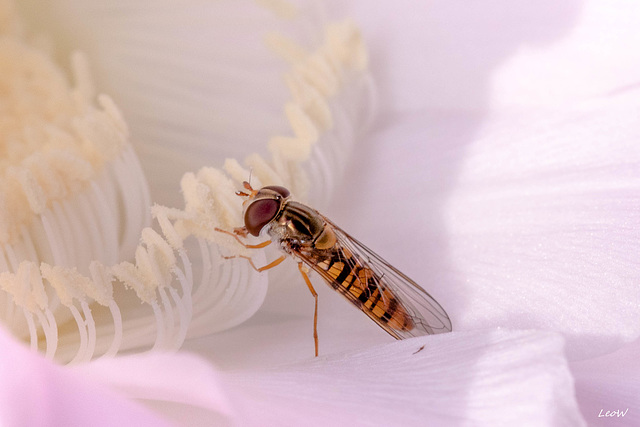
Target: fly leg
304	271
272	264
242	231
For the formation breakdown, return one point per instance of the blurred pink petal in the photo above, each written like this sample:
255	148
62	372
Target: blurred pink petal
610	383
163	377
37	392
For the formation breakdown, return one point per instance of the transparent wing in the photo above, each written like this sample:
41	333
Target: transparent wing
427	316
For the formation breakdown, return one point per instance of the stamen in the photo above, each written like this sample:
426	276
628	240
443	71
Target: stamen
33	334
160	327
282	8
88	201
168	312
117	327
91	331
184	318
82	330
50	334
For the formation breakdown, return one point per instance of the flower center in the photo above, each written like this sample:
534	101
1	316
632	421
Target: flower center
74	204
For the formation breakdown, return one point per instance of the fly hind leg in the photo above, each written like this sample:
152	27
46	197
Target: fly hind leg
272	264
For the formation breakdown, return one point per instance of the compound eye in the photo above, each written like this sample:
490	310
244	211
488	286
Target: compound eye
278	189
259	213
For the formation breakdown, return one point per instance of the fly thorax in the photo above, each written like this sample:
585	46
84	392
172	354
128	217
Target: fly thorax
326	239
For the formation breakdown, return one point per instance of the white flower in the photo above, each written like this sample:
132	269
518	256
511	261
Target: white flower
505	184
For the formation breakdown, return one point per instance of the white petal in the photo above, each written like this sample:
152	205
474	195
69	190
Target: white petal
483	378
543	221
518	220
446	55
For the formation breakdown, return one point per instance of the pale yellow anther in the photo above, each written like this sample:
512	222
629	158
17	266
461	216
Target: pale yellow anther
31	189
286	48
310	99
152	239
226	205
163	215
145	269
114	113
235	170
189	186
102	291
84	88
38	293
68	283
73	169
321	81
262	170
130	277
293	149
49	181
345	40
281	8
301	124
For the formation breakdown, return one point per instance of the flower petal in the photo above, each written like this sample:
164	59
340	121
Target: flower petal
445	55
36	392
607	387
523	220
480	378
164	377
542	220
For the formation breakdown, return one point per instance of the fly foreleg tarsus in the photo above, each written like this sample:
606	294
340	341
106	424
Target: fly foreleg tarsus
242	231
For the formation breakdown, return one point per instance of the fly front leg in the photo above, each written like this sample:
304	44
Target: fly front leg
242	231
304	270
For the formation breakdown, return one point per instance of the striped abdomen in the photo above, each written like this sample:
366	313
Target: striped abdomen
365	289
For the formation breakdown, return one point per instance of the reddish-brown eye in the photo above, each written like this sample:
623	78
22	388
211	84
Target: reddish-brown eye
259	213
278	189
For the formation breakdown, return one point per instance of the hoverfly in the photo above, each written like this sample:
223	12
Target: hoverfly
391	299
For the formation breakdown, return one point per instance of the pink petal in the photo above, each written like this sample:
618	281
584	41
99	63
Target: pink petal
607	387
482	378
167	378
36	392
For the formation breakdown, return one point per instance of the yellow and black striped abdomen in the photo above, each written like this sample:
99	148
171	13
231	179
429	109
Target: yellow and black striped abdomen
362	286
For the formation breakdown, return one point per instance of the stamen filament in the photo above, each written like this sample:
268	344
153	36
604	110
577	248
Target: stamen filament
82	330
117	328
